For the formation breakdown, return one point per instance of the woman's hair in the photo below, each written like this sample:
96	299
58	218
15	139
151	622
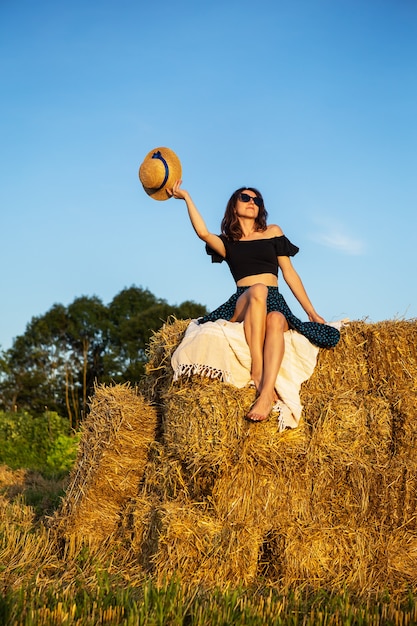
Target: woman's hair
230	224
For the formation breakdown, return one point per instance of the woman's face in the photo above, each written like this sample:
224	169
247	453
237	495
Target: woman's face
248	204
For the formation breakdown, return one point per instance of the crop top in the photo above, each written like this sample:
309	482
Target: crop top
256	256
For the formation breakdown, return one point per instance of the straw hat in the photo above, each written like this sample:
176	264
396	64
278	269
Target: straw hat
159	171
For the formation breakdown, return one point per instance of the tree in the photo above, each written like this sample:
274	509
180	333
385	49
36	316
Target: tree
33	365
87	339
135	314
53	366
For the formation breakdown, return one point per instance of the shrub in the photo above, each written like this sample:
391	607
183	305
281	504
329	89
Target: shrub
42	443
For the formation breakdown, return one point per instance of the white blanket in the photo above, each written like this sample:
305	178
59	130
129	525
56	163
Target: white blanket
219	350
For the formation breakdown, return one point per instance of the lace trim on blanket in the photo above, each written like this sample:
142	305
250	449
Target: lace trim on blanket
283	414
190	369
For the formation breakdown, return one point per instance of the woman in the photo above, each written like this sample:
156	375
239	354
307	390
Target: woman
254	251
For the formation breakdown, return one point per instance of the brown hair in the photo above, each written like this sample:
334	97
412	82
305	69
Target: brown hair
230	224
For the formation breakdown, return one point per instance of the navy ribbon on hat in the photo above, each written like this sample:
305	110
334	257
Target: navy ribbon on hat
158	155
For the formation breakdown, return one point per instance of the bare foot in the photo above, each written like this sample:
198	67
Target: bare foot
260	410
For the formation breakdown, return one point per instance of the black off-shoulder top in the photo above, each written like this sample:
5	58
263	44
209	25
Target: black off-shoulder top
257	256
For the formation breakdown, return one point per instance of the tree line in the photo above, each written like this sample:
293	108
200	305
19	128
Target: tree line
54	365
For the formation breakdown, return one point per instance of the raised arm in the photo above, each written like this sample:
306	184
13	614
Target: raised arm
295	284
197	220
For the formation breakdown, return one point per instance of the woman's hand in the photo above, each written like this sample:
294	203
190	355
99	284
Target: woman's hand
177	192
315	317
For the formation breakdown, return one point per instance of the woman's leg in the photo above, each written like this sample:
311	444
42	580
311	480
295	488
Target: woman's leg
273	353
251	309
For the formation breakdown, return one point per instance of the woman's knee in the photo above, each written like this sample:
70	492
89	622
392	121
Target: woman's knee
276	321
258	292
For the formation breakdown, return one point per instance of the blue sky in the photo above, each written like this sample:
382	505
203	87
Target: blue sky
312	101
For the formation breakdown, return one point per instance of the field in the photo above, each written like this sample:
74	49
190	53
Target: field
174	514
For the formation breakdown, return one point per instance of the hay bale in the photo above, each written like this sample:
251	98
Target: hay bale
205	551
162	345
322	505
111	459
356	427
250	495
162	481
344	369
260	481
392	357
202	425
204	428
221	501
315	555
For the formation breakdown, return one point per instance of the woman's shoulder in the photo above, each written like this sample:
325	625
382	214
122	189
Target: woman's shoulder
273	230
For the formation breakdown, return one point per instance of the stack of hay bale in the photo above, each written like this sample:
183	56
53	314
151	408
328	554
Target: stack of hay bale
331	504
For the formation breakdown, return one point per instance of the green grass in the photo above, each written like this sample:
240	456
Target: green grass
172	605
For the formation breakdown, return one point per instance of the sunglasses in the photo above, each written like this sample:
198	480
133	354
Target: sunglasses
245	197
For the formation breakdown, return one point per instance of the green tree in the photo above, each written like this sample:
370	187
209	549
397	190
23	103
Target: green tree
53	366
135	314
32	366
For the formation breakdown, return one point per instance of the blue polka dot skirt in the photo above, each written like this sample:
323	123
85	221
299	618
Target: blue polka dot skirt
320	335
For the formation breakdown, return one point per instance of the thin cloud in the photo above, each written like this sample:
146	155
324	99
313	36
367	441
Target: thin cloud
337	238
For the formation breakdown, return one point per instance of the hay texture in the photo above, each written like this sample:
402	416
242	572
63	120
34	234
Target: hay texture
223	502
331	504
113	452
